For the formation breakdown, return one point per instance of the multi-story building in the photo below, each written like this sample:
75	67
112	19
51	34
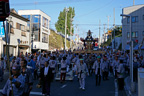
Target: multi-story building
137	29
104	37
17	35
39	28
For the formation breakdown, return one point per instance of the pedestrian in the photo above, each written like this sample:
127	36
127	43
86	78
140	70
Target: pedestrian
27	76
18	83
82	71
1	69
45	79
52	64
120	73
115	64
63	69
32	65
97	66
105	68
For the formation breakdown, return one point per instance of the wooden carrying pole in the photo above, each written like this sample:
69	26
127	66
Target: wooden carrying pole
7	54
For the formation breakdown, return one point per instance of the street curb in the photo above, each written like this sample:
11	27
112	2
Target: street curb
127	90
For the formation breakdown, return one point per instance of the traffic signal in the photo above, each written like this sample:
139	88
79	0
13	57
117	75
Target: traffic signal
4	9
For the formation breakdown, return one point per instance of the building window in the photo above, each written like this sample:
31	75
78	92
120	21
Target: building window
45	22
18	26
128	34
26	16
128	19
134	34
11	27
44	38
135	19
36	18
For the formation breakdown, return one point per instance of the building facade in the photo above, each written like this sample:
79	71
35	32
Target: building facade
137	29
39	28
17	35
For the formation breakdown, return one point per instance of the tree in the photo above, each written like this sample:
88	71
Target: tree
60	24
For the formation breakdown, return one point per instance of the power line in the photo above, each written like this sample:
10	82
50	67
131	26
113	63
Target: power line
48	2
96	9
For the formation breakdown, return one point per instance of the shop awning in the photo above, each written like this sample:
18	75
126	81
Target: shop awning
127	47
136	47
24	46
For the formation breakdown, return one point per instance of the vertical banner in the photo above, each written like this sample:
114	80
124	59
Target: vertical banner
2	33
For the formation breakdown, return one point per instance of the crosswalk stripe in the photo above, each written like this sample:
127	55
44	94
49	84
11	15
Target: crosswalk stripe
64	86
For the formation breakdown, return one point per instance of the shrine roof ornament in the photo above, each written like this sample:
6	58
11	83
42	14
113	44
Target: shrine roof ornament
89	33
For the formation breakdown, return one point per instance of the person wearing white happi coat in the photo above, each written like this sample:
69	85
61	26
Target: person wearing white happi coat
97	66
52	64
63	69
120	73
42	62
115	64
82	71
74	65
105	68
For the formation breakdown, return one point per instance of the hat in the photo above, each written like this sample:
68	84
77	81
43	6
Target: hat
98	57
81	59
16	67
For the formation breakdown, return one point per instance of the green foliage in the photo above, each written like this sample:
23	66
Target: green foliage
60	24
57	41
118	33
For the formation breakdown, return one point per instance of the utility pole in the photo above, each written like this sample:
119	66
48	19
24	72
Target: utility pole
66	10
108	29
78	35
30	34
99	33
133	2
114	28
71	32
104	33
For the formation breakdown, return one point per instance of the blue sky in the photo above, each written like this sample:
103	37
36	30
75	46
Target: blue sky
88	12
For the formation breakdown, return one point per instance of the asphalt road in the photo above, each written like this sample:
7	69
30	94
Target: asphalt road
71	88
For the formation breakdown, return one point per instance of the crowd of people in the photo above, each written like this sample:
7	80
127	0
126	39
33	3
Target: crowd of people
26	68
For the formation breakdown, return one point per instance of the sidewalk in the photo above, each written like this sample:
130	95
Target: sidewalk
128	85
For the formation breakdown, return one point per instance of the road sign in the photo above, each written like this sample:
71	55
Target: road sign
2	33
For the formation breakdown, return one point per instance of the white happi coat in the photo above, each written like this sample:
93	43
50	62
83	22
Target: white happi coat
63	65
121	71
105	66
83	68
115	64
52	64
96	66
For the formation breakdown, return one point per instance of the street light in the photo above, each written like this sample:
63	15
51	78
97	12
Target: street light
66	10
131	51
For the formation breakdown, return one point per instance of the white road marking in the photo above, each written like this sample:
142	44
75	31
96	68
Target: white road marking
33	93
64	86
116	88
